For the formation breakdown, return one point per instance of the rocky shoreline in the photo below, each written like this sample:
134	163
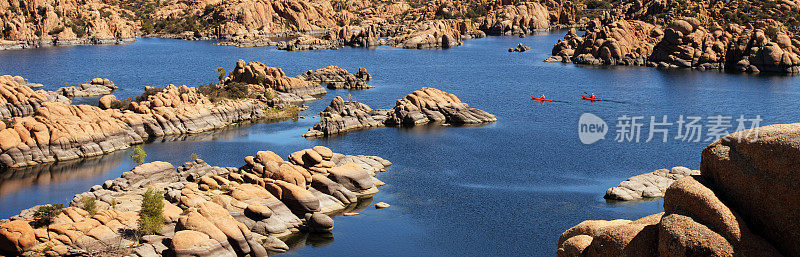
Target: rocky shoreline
43	126
292	25
208	210
741	204
697	43
19	45
426	105
40	131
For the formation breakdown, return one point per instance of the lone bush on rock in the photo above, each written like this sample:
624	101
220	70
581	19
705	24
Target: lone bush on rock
44	215
150	216
89	205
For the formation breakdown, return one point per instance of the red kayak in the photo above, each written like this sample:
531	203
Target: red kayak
591	98
541	99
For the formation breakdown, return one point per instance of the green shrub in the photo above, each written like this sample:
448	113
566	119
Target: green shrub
78	27
147	27
45	214
121	104
89	205
150	216
9	122
105	13
148	91
269	94
55	30
222	73
771	32
476	11
216	93
261	79
597	4
41	11
138	155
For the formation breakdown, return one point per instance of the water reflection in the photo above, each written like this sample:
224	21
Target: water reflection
298	240
14	180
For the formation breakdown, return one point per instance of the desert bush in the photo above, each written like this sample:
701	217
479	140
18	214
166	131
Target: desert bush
148	91
222	73
138	155
150	216
56	30
89	205
44	216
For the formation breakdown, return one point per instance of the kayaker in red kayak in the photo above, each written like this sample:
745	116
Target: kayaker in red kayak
590	98
541	99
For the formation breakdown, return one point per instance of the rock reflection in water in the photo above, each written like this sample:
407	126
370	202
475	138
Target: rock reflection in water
13	180
298	240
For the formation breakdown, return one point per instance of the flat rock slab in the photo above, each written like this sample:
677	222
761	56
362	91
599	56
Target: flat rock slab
648	185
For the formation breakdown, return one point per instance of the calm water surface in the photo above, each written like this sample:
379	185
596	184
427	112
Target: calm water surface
508	188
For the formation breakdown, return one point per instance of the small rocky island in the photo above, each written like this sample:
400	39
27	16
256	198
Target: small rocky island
338	78
743	203
95	87
426	105
202	210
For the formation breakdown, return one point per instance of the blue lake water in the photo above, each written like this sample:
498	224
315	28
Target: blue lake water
508	188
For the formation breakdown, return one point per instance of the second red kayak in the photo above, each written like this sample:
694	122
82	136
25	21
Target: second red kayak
591	98
541	99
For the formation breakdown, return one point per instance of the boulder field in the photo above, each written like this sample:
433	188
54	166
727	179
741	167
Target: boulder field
311	24
208	210
742	203
40	131
49	22
682	43
426	105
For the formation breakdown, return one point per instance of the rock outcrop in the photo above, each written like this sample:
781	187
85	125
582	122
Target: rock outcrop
689	42
338	78
520	48
434	34
208	210
724	211
433	105
342	116
43	23
260	75
426	105
306	43
617	43
58	132
95	87
516	19
18	99
648	185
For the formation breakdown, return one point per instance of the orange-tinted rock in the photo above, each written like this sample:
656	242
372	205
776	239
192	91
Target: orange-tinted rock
269	77
758	179
16	237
